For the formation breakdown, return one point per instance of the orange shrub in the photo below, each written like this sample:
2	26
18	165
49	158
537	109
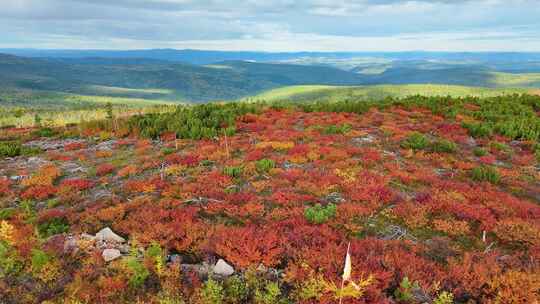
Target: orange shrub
248	246
128	171
45	176
518	231
451	227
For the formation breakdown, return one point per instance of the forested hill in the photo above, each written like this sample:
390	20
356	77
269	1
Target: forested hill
178	81
150	78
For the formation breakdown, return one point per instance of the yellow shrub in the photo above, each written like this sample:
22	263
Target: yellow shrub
50	272
298	159
276	145
6	232
451	227
313	156
175	169
348	175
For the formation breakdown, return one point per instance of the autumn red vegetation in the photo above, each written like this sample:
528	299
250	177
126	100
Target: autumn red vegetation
410	214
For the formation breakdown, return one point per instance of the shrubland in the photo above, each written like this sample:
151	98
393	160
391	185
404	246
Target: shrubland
437	196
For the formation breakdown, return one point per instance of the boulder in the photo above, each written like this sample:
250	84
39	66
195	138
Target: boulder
111	254
223	269
107	235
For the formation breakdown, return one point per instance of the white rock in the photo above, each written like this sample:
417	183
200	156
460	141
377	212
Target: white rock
107	235
111	254
223	269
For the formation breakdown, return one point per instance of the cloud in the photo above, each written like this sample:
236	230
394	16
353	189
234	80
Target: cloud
272	25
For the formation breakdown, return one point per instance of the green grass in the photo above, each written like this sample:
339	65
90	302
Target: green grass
290	91
19	107
341	93
23	98
516	80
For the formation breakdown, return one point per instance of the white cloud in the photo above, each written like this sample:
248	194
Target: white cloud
279	25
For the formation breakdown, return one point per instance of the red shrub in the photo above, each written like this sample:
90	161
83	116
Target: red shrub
39	192
248	246
78	184
104	169
74	146
4	186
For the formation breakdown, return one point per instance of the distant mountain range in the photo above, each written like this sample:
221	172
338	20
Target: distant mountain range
199	76
207	57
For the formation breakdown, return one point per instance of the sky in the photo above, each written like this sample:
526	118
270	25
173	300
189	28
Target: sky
272	25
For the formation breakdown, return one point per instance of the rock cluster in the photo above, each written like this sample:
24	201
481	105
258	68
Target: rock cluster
111	245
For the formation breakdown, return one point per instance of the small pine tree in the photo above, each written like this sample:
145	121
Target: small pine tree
109	109
37	120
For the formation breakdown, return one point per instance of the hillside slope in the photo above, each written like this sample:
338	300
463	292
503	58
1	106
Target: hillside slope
145	78
161	80
338	93
435	199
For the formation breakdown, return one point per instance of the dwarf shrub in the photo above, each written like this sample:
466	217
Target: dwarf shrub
444	146
236	290
404	293
479	129
212	292
265	165
337	129
10	149
486	174
269	295
138	273
233	171
479	152
319	214
415	141
53	226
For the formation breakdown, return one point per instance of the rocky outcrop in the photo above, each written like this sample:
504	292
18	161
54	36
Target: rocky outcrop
111	254
108	236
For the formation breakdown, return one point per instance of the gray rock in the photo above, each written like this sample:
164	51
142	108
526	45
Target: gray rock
124	248
106	145
107	235
471	142
334	197
34	160
174	258
101	193
111	254
367	139
288	165
223	269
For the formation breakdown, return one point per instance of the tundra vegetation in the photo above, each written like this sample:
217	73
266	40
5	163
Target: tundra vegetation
257	203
